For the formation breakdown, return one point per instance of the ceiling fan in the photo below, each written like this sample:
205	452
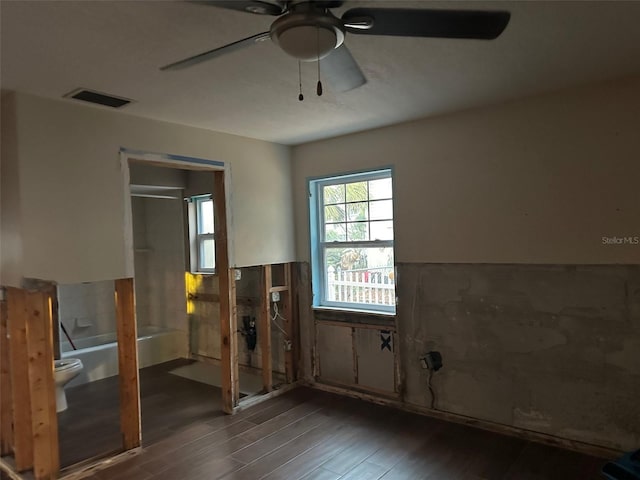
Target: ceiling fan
308	31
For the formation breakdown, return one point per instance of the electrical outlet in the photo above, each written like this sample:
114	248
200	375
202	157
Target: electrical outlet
237	274
432	361
275	297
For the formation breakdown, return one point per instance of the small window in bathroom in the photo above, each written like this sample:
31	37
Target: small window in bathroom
202	234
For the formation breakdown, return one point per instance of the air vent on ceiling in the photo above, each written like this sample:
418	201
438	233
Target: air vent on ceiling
97	97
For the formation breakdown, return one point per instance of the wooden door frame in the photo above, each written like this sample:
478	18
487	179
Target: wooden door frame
223	247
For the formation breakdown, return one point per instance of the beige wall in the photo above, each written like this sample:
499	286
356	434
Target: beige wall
72	191
11	235
538	180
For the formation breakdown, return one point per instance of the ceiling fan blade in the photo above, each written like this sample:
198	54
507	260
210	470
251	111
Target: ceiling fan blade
341	70
485	25
260	7
217	52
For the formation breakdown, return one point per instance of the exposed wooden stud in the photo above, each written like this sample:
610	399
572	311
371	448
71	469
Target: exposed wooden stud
6	409
20	395
287	326
397	381
280	288
264	331
315	358
128	363
228	320
354	351
233	307
44	420
295	320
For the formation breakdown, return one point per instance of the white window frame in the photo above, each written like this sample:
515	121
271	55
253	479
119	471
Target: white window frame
319	245
196	238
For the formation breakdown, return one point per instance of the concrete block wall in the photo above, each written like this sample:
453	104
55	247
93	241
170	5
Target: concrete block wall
554	349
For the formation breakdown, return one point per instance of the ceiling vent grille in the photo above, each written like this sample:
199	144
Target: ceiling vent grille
98	98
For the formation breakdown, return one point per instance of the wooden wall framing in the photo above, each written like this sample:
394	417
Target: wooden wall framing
28	424
33	398
126	329
228	310
20	394
289	322
264	329
287	304
44	418
6	407
28	365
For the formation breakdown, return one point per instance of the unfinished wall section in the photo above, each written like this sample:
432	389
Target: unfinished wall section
552	349
499	213
204	319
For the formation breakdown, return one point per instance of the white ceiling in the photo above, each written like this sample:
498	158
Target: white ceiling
50	48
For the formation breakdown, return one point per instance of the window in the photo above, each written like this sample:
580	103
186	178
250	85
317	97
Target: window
352	241
201	234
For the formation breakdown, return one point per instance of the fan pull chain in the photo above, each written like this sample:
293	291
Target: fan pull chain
319	86
300	97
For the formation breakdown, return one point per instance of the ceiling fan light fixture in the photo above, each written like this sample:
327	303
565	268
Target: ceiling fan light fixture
308	35
308	43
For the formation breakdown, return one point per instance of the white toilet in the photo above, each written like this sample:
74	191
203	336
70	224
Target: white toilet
65	370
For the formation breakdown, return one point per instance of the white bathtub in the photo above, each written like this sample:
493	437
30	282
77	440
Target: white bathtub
99	354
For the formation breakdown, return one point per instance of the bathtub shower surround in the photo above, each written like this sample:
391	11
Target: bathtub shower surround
99	354
159	263
159	260
87	309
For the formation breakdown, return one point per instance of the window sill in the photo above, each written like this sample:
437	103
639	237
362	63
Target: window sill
356	311
354	316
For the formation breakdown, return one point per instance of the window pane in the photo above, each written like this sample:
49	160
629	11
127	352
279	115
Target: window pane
357	231
354	215
381	230
359	276
345	258
381	210
334	213
333	194
379	189
205	220
356	211
357	192
207	254
335	232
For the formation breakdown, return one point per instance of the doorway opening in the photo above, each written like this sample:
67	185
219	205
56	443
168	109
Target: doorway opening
176	278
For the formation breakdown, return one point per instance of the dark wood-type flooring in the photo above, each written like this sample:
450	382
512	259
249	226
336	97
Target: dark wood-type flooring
312	435
91	425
